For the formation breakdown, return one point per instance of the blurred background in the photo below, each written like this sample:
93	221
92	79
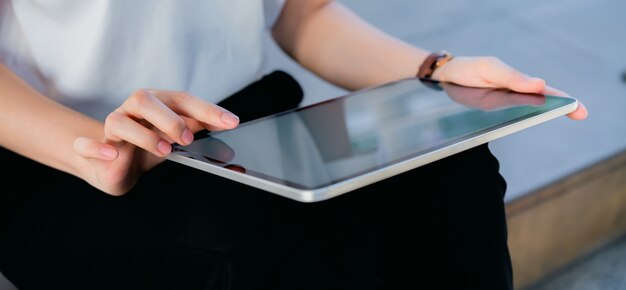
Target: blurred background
566	198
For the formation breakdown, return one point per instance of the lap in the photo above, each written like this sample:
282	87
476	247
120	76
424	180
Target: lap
180	224
186	229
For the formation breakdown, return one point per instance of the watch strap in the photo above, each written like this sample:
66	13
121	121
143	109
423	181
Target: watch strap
432	62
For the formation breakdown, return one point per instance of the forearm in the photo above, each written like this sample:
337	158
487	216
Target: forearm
39	128
337	45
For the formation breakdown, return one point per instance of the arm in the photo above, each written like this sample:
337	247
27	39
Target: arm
334	43
110	156
330	40
39	128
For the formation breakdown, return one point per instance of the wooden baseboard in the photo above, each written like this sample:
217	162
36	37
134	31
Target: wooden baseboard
559	223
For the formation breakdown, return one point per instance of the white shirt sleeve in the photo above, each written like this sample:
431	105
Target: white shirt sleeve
272	9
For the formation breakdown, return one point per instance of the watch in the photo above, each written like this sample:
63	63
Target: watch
432	62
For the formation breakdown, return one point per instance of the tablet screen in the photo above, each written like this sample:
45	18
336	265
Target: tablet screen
318	145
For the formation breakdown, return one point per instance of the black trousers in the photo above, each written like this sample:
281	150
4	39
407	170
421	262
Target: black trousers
440	226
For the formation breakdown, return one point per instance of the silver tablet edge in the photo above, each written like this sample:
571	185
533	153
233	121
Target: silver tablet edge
324	193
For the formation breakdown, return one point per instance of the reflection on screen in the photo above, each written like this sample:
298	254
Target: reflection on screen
313	146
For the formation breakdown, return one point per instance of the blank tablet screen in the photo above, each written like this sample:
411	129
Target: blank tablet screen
318	145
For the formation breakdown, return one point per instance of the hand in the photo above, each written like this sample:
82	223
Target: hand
490	72
489	99
138	135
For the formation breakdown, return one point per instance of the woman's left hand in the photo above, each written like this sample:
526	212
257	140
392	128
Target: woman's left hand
491	72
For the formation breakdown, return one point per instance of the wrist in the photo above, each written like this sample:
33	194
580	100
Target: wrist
432	66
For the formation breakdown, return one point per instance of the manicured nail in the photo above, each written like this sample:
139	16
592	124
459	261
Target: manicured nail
187	137
164	147
108	153
229	118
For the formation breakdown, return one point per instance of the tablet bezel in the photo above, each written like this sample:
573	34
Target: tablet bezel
337	188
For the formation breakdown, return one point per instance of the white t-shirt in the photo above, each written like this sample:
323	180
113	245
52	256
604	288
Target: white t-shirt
92	54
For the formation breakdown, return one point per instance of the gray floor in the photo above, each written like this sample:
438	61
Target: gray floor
604	269
5	284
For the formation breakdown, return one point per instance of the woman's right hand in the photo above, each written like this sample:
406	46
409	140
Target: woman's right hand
138	135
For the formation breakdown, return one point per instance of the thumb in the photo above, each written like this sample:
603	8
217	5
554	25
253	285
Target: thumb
91	149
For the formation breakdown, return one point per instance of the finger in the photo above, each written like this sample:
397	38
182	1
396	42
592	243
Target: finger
580	113
193	125
548	90
526	84
494	71
120	127
212	116
236	167
144	105
92	149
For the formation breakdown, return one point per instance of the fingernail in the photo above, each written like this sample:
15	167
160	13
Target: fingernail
187	137
229	118
108	153
164	147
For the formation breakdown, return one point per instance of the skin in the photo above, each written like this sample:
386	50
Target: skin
489	99
323	36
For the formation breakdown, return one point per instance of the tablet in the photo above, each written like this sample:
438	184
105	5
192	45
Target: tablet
320	151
